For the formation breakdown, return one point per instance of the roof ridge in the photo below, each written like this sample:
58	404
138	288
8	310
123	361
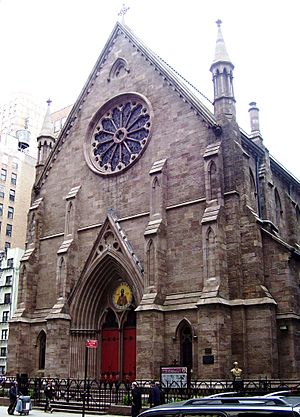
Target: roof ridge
184	79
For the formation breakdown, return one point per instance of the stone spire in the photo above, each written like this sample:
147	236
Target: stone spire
221	53
222	71
45	141
47	128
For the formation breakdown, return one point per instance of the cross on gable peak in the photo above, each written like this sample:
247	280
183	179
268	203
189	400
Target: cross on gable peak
123	11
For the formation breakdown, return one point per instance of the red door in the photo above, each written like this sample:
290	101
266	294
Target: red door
129	353
110	352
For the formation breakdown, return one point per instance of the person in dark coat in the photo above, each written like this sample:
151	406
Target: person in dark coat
154	396
136	400
49	392
13	394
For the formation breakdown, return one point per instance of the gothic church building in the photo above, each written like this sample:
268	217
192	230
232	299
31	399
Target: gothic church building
160	229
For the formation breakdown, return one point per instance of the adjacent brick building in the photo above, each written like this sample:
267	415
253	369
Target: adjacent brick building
160	229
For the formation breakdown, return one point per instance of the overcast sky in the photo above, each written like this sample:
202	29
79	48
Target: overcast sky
49	47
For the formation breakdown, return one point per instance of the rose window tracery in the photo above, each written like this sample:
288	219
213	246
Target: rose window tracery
120	133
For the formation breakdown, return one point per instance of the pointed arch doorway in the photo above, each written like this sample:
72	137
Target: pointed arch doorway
118	346
100	310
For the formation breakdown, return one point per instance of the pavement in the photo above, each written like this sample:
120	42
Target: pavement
35	412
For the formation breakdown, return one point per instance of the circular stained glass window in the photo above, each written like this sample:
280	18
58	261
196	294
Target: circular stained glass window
118	133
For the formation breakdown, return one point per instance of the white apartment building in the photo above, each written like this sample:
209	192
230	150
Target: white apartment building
17	174
22	115
9	277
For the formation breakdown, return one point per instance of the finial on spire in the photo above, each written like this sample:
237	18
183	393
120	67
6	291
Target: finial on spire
123	11
222	70
49	101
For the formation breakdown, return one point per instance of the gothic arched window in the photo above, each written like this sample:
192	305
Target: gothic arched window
61	277
186	346
253	191
212	175
69	220
119	69
150	262
42	349
278	207
211	253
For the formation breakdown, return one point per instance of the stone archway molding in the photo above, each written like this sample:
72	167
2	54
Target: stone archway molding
111	255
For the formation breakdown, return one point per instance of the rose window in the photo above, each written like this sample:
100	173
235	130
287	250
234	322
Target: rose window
120	133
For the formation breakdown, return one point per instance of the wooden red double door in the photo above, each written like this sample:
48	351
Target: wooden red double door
118	351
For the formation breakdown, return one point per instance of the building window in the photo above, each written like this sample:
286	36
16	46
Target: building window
12	195
125	127
7	298
1	191
42	349
3	351
3	174
13	179
186	346
10	262
2	370
10	212
4	160
5	316
8	280
7	246
4	334
8	230
14	165
1	209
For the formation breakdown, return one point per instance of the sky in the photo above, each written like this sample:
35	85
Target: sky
49	47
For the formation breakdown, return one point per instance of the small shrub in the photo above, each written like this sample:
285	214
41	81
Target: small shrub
127	400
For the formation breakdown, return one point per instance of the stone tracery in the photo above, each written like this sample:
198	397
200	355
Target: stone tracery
121	133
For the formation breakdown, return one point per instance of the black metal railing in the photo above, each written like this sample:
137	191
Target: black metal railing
100	395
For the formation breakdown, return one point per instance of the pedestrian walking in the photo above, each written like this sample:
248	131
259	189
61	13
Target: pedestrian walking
13	395
154	395
136	399
49	392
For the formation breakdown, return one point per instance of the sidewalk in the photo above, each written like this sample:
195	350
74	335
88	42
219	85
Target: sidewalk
40	413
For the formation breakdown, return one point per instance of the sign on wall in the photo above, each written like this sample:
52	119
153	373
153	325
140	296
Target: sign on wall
174	376
92	344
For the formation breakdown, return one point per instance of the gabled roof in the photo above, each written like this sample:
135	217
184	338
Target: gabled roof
182	86
186	90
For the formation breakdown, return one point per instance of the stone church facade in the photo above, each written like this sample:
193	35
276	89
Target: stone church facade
159	229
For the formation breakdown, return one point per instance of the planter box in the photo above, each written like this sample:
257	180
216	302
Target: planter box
122	410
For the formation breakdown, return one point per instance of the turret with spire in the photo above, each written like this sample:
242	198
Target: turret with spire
222	71
45	141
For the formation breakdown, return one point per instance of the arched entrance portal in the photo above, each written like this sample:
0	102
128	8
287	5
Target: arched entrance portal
102	307
118	346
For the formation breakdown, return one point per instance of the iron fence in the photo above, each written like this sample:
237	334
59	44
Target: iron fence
100	395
